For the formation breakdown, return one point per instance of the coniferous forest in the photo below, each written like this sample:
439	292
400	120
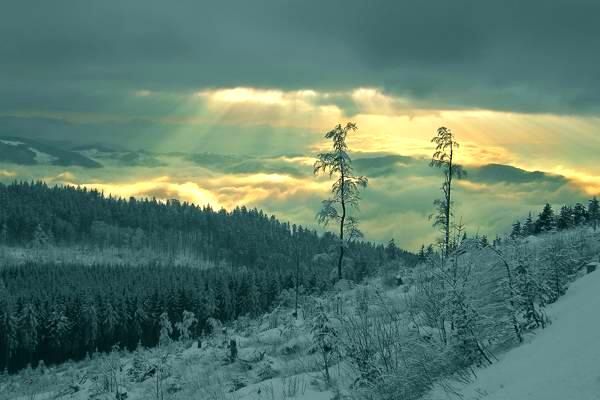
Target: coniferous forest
57	311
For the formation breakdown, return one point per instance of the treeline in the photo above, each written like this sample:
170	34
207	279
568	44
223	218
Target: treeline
55	312
37	215
52	311
568	217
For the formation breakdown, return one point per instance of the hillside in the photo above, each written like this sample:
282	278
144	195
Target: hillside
81	272
384	338
35	214
557	363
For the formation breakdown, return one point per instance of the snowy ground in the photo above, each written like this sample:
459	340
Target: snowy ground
561	362
273	364
275	361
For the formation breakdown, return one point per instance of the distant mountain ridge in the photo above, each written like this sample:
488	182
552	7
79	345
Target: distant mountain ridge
23	151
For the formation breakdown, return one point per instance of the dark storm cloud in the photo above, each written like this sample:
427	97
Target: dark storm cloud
128	133
534	56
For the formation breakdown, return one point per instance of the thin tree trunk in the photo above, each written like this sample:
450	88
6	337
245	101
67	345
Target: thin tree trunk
342	222
448	200
297	277
512	302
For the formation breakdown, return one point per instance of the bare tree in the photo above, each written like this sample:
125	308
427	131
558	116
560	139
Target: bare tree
345	190
443	158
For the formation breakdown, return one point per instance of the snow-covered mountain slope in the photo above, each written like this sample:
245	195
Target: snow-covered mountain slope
561	362
24	151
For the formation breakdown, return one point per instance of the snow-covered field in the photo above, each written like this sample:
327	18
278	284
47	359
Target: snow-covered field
561	362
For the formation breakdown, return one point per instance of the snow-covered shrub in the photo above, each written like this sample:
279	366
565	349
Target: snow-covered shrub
265	371
184	328
325	340
389	360
214	325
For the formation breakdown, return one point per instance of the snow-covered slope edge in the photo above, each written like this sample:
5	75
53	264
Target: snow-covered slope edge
562	362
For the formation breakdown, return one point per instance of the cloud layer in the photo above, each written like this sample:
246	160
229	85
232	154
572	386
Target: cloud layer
536	56
226	101
396	204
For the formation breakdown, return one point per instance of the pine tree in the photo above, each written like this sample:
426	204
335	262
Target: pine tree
421	254
28	328
545	221
528	295
4	234
140	318
325	338
594	212
516	230
140	366
580	214
166	329
391	250
528	227
253	298
565	219
110	323
484	241
57	326
184	328
233	350
464	321
8	328
555	271
40	238
429	252
89	323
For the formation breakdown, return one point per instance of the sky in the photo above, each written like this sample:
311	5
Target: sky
226	102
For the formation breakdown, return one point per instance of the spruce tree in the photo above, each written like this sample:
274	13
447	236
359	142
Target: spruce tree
594	212
528	295
166	329
565	219
28	327
545	221
109	324
40	238
580	214
391	250
516	230
4	234
484	241
90	323
8	328
325	339
421	254
57	328
528	226
184	328
556	270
